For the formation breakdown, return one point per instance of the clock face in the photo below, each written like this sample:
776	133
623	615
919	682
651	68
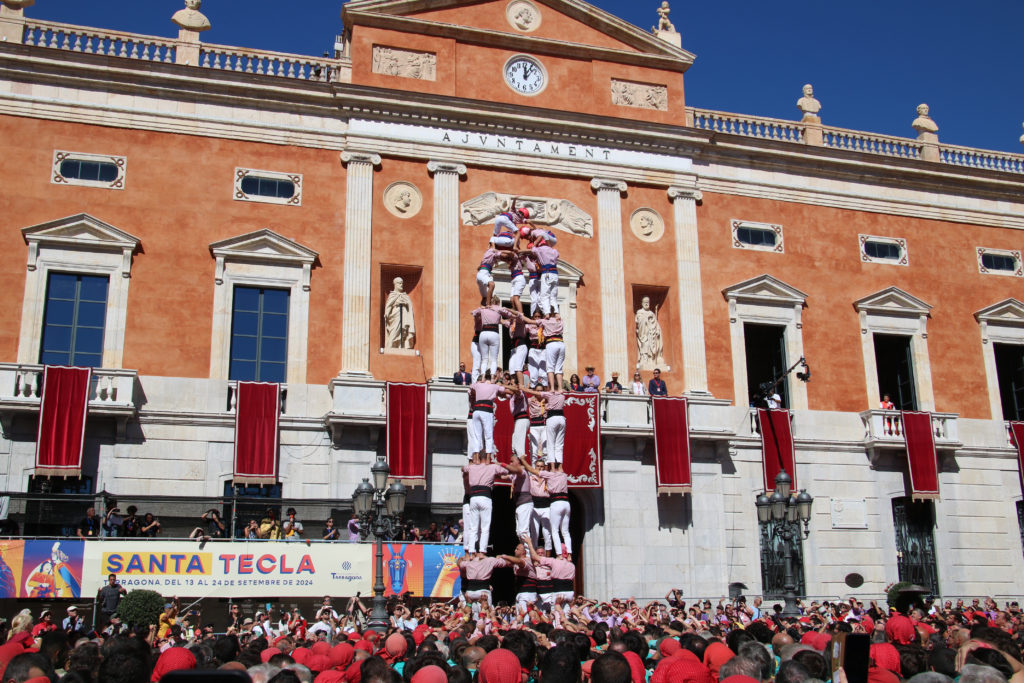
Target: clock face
525	75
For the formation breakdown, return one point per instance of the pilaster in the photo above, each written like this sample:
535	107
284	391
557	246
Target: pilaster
613	291
691	310
355	314
446	266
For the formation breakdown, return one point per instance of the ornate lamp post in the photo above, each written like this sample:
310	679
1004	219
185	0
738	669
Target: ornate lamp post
379	511
786	512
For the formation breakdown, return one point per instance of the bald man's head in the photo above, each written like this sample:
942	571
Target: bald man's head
471	657
779	641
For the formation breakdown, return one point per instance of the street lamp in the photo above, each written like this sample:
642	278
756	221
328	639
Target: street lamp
379	511
786	512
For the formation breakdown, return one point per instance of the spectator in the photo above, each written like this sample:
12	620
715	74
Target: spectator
656	387
235	619
168	618
150	526
90	526
28	666
462	377
109	597
252	530
131	524
886	403
45	624
774	401
330	532
292	528
574	383
269	526
112	521
214	526
638	385
613	386
591	382
353	527
72	622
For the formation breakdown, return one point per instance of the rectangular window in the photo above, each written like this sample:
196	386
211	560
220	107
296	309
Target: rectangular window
915	545
895	362
1010	370
259	335
766	362
73	323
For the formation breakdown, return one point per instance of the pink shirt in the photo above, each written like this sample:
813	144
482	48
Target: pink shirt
536	407
483	475
521	488
489	315
490	256
558	482
560	569
518	328
555	400
526	568
481	570
552	327
546	256
532	330
519	405
537	489
485	391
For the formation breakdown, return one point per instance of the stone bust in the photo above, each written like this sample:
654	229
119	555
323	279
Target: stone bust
924	123
191	18
808	104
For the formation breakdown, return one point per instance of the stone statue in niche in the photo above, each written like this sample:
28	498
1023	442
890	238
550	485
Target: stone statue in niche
809	105
191	18
399	325
650	351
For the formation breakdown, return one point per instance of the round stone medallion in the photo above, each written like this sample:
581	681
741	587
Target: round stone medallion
403	199
647	225
523	15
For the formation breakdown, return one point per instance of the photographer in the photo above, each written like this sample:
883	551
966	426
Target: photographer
214	526
112	521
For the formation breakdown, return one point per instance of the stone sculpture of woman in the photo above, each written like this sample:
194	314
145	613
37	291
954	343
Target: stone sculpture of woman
650	352
399	326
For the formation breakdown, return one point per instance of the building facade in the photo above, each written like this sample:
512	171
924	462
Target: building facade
161	196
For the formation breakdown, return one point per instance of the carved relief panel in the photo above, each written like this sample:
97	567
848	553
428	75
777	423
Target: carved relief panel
640	95
393	61
560	214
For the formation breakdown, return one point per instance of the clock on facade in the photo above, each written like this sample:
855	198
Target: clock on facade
525	75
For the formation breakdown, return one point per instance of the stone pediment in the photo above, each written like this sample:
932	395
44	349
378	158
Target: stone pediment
81	230
263	245
765	289
1008	312
448	18
560	214
892	301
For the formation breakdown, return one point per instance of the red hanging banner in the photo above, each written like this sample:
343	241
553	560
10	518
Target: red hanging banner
407	432
776	445
61	436
671	444
257	415
922	459
1017	434
582	452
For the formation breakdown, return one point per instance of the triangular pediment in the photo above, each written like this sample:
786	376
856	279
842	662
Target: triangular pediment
765	289
892	301
580	24
263	245
1006	312
81	231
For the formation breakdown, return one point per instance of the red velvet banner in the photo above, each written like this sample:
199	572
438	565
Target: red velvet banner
922	460
582	452
257	411
407	432
671	444
776	445
61	436
1017	434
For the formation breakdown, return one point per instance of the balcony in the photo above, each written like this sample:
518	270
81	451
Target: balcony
112	393
884	429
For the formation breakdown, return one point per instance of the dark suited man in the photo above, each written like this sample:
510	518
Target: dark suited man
462	377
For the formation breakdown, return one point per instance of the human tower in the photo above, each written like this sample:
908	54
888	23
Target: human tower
544	573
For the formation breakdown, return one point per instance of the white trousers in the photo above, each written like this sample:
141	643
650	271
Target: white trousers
548	292
538	436
524	600
559	513
490	344
554	429
483	422
534	296
519	432
474	351
517	361
483	278
518	285
524	515
538	367
541	524
472	596
503	241
478	525
474	444
554	356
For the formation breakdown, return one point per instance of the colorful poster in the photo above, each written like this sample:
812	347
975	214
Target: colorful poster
11	554
52	569
231	568
424	570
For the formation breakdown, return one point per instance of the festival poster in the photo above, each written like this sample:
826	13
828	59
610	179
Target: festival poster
52	569
440	571
424	570
11	554
231	569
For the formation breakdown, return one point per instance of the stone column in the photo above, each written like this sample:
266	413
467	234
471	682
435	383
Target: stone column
691	302
446	267
613	292
355	320
12	20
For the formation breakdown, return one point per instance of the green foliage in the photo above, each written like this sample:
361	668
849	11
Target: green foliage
892	595
141	607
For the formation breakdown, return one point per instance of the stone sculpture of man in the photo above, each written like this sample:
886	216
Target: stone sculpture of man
650	351
399	326
924	123
808	104
191	18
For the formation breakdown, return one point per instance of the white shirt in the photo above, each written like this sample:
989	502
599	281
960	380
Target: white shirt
638	389
774	402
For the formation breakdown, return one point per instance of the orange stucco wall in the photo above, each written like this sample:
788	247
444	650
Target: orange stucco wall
822	258
177	200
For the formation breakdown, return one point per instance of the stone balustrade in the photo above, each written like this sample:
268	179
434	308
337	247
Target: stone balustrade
884	428
99	42
232	397
748	126
870	143
265	63
980	158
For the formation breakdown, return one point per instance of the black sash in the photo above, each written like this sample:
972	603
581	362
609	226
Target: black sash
484	491
486	406
564	495
476	585
562	585
555	413
541	502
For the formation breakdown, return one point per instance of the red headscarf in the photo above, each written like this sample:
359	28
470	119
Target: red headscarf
886	656
365	646
173	659
396	646
430	674
300	655
636	667
341	655
715	656
900	629
681	670
354	672
500	666
318	663
330	676
265	655
668	647
321	647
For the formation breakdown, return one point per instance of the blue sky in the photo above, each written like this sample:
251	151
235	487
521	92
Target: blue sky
871	62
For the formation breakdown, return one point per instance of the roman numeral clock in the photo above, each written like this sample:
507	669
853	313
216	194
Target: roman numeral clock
525	75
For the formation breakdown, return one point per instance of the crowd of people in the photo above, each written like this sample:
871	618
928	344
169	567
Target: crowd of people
570	641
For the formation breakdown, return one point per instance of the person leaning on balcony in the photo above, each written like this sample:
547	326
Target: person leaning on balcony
150	525
90	526
656	387
638	385
269	526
